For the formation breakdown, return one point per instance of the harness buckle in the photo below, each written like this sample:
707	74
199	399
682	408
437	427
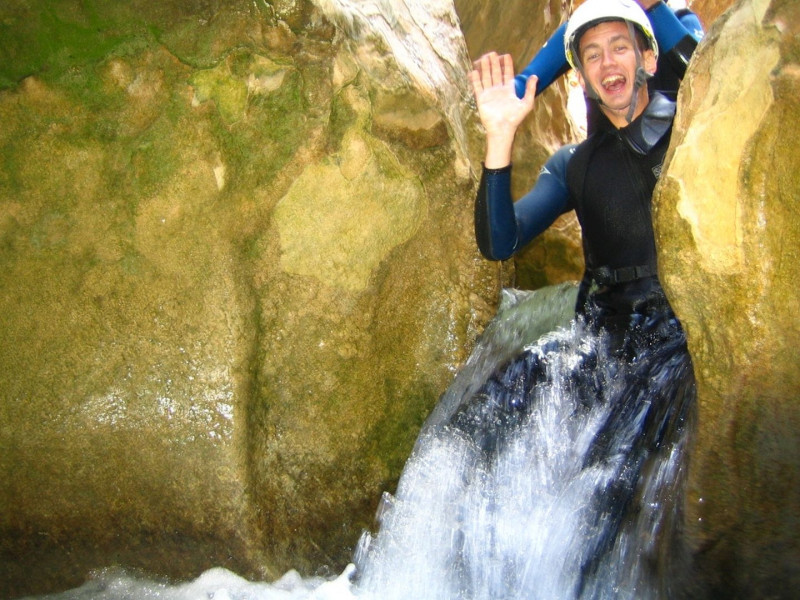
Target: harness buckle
607	276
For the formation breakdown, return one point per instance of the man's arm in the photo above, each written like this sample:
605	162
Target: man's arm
688	19
548	64
502	227
675	41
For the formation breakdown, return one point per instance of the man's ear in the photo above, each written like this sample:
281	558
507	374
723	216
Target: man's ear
649	61
581	80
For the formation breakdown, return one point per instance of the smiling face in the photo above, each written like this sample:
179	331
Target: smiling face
608	59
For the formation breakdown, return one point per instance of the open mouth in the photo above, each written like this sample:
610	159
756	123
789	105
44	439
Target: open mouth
613	83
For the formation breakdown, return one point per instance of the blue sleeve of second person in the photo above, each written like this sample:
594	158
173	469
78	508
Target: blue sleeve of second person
547	65
692	23
668	28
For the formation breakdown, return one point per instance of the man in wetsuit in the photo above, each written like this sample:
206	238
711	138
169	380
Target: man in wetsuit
608	180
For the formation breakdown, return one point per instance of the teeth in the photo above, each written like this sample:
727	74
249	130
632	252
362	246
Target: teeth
613	79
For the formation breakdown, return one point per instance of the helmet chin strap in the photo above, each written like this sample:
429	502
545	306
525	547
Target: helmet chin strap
640	78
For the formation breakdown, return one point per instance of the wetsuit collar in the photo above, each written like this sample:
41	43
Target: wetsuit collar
651	126
647	129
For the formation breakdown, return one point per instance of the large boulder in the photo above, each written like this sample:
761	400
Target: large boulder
238	271
728	230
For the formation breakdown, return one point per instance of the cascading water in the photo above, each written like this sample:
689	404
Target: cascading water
552	468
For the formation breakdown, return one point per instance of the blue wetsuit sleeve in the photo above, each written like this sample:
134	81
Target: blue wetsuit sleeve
548	199
502	227
495	223
667	26
676	44
548	64
691	22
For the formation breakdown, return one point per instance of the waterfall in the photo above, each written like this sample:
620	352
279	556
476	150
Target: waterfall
552	468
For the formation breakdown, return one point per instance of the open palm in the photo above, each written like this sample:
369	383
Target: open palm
492	82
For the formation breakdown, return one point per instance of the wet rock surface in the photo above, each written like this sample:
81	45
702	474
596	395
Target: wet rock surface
238	272
728	231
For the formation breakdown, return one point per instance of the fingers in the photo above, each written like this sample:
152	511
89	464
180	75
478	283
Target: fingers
530	85
492	70
478	76
496	70
475	82
477	66
507	67
486	70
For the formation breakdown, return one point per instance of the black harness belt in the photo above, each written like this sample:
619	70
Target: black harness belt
607	275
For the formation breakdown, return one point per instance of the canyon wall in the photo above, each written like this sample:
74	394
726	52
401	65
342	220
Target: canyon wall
728	231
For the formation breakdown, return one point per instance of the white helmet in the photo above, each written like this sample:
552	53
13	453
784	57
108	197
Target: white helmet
593	12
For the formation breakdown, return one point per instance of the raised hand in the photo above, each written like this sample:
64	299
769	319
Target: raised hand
500	111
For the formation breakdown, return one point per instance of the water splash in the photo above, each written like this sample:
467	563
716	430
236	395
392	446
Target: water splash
554	470
214	584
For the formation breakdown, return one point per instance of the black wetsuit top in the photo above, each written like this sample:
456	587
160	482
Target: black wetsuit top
615	163
609	180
